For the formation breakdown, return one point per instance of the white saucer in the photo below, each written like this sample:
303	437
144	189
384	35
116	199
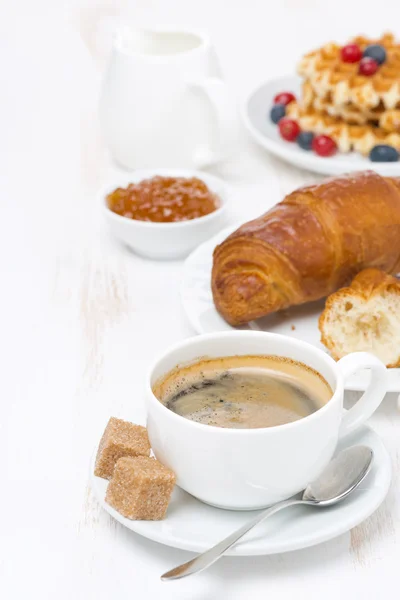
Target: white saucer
192	525
255	114
300	322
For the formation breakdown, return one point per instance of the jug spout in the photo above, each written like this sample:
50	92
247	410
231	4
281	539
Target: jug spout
158	42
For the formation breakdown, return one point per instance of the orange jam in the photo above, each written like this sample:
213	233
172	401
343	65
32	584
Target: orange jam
164	200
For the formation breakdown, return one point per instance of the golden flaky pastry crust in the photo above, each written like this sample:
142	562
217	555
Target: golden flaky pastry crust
308	246
364	317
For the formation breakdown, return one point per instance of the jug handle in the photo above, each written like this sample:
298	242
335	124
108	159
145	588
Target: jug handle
217	94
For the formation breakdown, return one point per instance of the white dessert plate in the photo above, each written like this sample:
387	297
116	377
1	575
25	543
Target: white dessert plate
300	322
193	525
255	114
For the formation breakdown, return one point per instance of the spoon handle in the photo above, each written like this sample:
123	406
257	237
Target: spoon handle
207	558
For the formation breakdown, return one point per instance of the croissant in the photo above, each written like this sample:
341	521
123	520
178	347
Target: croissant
364	317
309	245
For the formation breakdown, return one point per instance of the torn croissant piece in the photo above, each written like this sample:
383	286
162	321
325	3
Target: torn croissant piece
364	317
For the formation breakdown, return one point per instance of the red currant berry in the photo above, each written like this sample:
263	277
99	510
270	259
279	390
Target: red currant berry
368	66
351	53
323	145
288	129
284	98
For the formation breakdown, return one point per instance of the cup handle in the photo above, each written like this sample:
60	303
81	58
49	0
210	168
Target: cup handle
216	92
373	395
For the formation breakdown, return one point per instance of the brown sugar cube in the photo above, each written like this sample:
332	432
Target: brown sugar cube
140	488
120	438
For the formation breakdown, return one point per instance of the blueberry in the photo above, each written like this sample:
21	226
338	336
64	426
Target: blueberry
278	111
378	53
304	139
384	153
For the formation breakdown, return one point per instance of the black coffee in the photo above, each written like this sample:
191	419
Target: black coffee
243	391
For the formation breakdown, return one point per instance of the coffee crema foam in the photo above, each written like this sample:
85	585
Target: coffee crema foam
243	392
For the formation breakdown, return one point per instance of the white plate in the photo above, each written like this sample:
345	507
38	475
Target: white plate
300	322
193	525
255	114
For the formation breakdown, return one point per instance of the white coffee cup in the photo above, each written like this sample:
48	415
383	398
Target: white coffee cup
246	469
163	101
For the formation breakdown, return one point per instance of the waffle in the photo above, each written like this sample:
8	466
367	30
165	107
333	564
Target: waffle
349	112
340	84
361	138
388	119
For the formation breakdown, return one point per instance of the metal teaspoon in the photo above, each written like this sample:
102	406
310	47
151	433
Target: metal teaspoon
342	475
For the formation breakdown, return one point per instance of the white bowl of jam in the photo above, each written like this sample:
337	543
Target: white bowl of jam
165	213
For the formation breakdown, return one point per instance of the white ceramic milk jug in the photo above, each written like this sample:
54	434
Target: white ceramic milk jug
163	102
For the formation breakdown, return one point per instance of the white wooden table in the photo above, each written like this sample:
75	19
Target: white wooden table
81	317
